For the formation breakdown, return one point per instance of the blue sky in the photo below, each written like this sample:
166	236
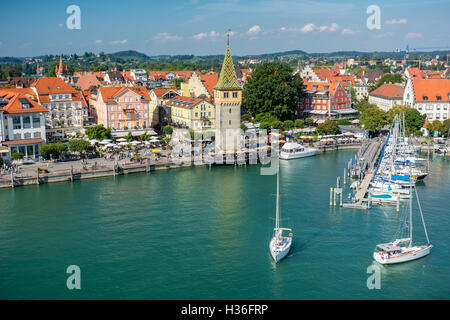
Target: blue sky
31	28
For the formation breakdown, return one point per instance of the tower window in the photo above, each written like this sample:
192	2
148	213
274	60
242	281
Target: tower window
230	110
229	122
235	94
225	94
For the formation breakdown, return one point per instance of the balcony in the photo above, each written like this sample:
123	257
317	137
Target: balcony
129	110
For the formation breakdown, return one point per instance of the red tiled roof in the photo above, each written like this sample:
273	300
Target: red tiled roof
14	105
87	81
161	92
321	86
109	93
210	81
390	91
431	89
185	102
53	85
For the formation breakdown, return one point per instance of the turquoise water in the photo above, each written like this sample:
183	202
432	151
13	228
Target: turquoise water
204	234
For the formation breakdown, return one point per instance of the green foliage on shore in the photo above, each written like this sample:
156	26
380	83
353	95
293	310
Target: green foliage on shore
98	132
373	119
299	123
414	120
328	127
273	89
168	130
53	149
18	155
387	78
81	146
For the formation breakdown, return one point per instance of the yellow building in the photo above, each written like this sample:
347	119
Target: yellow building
193	113
158	101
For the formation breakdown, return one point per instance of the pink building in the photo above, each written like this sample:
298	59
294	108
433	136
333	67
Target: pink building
121	108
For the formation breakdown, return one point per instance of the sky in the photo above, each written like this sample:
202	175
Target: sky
155	27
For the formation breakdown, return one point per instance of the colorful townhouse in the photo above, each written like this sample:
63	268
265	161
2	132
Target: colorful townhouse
325	100
122	108
192	113
22	124
159	110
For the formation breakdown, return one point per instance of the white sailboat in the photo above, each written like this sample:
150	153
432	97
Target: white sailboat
280	244
403	250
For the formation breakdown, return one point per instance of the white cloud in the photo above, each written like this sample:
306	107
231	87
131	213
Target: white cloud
166	37
383	35
254	30
334	27
413	35
200	36
396	21
348	32
99	41
118	42
308	28
214	34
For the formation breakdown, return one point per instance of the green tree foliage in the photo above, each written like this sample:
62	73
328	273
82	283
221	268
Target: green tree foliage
99	132
168	130
81	146
373	119
309	121
288	124
414	120
145	136
265	117
265	126
363	105
299	123
273	89
436	125
246	117
276	124
129	137
328	127
53	149
243	127
445	129
17	155
387	78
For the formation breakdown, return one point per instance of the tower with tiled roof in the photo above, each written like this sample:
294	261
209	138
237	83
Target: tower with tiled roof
228	100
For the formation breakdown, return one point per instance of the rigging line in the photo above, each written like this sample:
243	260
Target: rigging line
421	215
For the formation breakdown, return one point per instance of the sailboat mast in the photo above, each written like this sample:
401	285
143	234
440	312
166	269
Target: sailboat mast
421	215
410	207
277	219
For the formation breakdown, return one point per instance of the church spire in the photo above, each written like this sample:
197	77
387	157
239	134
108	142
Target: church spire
227	78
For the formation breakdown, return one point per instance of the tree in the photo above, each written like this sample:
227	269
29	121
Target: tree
445	129
373	120
17	156
309	121
265	117
328	127
81	146
168	130
288	124
387	78
98	132
414	120
145	136
363	105
53	149
436	125
299	123
276	124
246	117
273	89
265	126
243	127
129	137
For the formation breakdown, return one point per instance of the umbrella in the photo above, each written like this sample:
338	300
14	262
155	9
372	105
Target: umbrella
135	142
124	143
146	142
93	141
57	134
105	141
121	140
110	145
156	151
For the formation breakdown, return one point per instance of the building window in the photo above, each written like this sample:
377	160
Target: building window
16	123
37	135
17	136
27	135
111	117
225	94
118	125
235	94
229	122
36	121
196	114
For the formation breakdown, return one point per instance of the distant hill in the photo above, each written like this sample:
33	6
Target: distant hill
129	54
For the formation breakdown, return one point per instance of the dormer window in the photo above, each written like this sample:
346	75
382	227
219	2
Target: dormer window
25	106
425	98
438	98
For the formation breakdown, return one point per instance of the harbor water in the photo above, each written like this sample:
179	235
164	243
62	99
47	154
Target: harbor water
203	233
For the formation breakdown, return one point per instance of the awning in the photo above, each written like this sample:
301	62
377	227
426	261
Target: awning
22	142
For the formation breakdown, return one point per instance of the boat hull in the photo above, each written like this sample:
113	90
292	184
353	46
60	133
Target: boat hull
277	254
288	156
417	253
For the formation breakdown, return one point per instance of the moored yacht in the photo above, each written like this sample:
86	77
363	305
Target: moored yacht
294	150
